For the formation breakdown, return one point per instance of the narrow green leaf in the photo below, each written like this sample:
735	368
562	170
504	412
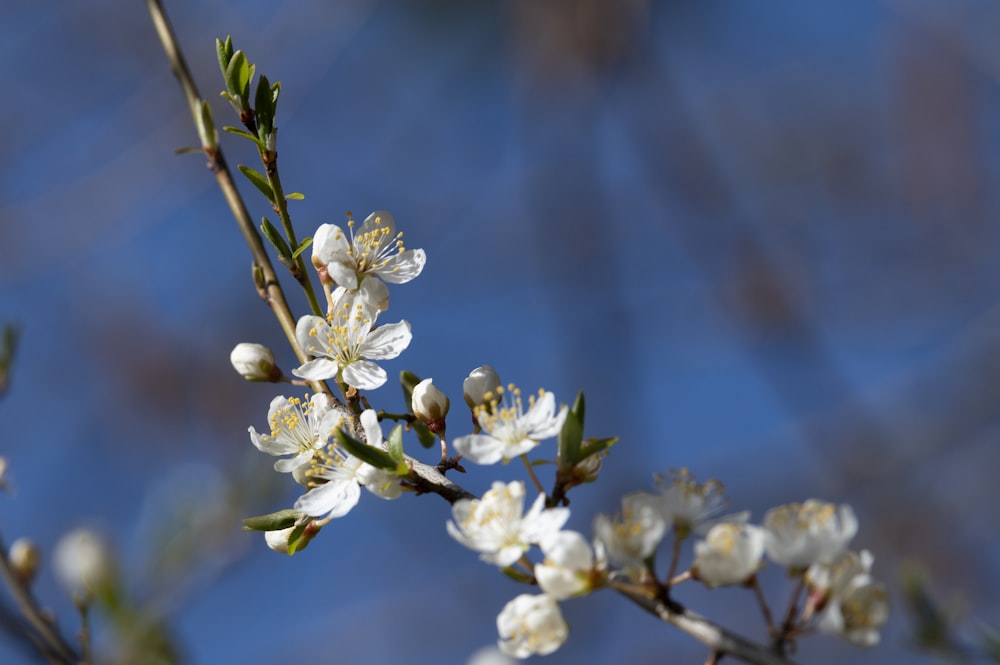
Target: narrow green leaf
258	180
424	435
305	243
272	522
377	457
295	196
264	107
184	151
224	49
242	132
237	76
271	233
396	444
296	543
206	127
275	91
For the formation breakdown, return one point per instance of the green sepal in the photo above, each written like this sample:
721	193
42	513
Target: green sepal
224	49
271	233
272	522
206	128
295	196
571	434
258	180
295	538
242	132
377	457
396	444
408	380
424	435
594	446
184	151
305	244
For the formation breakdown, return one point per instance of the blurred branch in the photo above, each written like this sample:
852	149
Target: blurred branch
8	345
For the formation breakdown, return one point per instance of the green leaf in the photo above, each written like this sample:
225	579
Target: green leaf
424	435
295	196
271	233
224	49
377	457
305	243
264	102
184	151
272	522
258	180
396	444
571	433
408	380
238	75
242	132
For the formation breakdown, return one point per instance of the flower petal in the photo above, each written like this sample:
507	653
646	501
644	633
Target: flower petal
403	267
363	375
387	341
335	498
319	369
479	448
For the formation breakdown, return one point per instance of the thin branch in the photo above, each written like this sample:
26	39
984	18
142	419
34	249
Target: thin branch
271	288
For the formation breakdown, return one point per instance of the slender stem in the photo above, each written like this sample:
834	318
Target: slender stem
768	618
531	473
271	288
54	647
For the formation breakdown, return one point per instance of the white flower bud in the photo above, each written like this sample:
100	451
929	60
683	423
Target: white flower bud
82	561
254	362
428	403
25	558
480	381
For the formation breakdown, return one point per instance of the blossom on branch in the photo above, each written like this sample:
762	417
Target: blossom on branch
509	430
730	554
531	625
632	537
853	606
798	535
297	428
376	249
347	343
570	568
497	527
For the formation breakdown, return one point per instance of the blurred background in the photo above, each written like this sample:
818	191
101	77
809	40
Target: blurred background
761	238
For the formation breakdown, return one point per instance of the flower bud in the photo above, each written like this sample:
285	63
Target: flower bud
83	562
255	362
429	404
480	381
278	540
25	558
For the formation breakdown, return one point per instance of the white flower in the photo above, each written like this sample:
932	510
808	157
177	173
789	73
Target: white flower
375	249
632	538
428	403
509	431
345	474
254	362
568	566
531	625
799	535
83	562
730	554
495	526
347	344
854	606
690	506
480	382
297	429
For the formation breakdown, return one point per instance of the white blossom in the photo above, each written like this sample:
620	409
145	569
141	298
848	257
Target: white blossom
509	430
853	606
530	625
568	567
82	561
297	428
428	403
688	505
730	554
344	475
633	536
798	535
375	249
346	345
497	527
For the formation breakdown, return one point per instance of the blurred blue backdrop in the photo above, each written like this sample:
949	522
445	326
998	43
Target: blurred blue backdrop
761	237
